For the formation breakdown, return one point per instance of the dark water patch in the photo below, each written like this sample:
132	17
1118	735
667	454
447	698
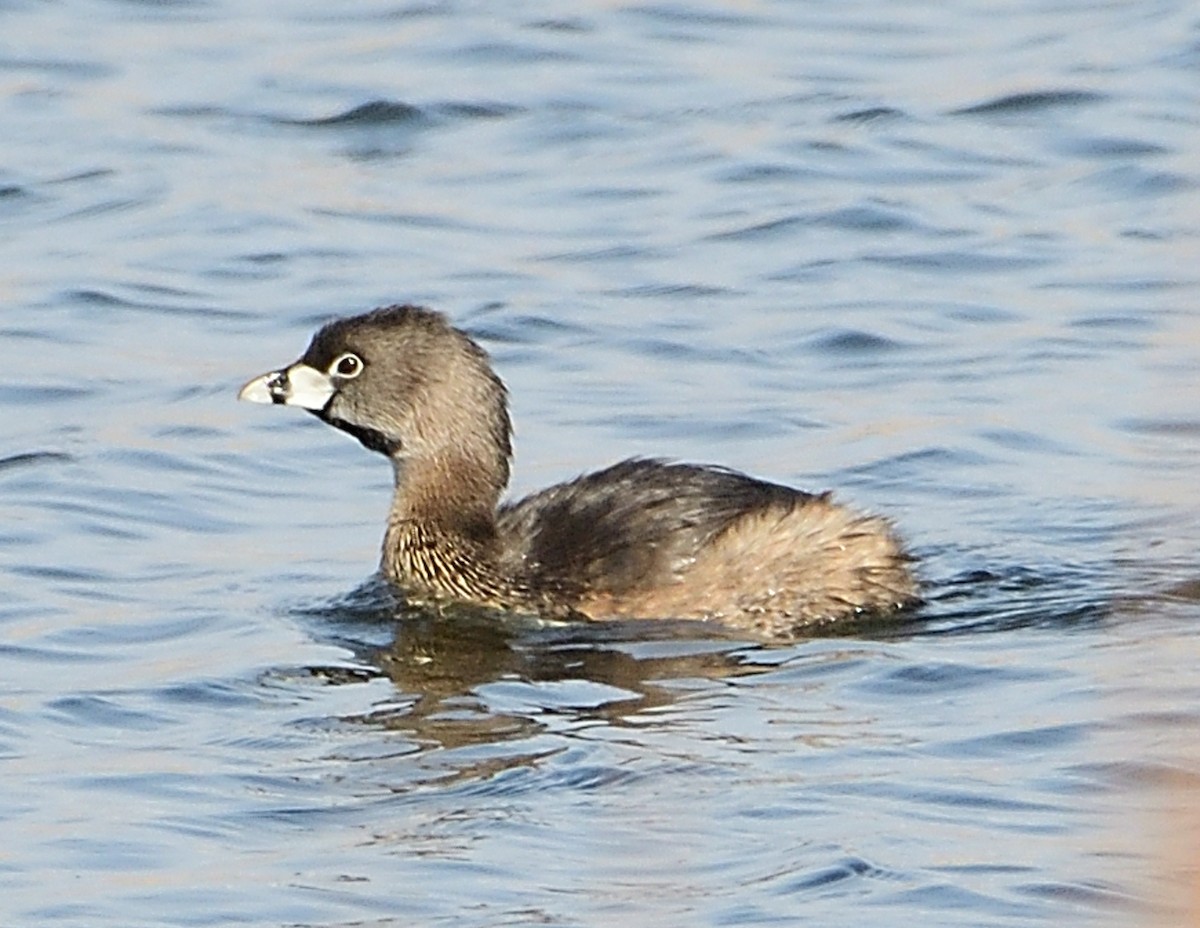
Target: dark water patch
217	694
401	12
853	343
164	462
942	678
871	218
372	113
56	911
106	855
808	272
943	175
100	298
382	130
103	208
1002	869
174	8
516	53
846	869
1133	322
476	110
86	70
764	172
161	290
46	334
1043	353
1110	147
1134	282
1026	742
1032	102
42	394
667	426
691	14
266	257
495	279
1137	773
1132	180
1028	442
569	26
580	777
192	111
1096	896
61	574
868	218
673	291
964	904
131	633
978	313
384	113
276	259
959	262
926	466
86	176
1187	58
14	199
28	655
522	329
108	300
613	253
933	804
663	348
1169	428
1057	610
92	711
32	459
615	194
1142	234
116	510
159	784
871	114
194	433
762	230
411	220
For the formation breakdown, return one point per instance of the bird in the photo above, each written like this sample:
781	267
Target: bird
644	538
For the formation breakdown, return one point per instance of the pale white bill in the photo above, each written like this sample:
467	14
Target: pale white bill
298	385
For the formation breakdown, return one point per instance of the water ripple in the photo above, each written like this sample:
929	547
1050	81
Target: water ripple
33	458
1031	102
373	113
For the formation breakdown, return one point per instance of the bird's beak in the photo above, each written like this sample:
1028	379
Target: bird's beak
298	385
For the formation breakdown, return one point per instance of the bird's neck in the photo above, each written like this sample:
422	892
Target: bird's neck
455	491
441	534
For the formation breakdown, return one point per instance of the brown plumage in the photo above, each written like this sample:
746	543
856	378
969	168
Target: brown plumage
640	539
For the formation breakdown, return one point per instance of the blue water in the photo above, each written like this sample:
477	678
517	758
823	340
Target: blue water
941	258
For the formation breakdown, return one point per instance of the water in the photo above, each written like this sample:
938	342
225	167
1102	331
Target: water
942	259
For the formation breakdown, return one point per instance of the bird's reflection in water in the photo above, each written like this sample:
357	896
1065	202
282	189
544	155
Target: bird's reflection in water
467	676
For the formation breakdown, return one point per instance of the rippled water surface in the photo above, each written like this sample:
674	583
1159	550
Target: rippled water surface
942	258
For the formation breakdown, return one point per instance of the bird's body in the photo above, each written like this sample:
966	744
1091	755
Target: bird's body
640	539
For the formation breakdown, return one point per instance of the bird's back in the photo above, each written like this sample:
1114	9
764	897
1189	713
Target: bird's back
647	538
636	524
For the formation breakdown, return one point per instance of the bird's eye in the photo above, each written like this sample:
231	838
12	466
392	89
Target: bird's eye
347	365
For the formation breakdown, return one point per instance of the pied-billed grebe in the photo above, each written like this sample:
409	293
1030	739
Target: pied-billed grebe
640	539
